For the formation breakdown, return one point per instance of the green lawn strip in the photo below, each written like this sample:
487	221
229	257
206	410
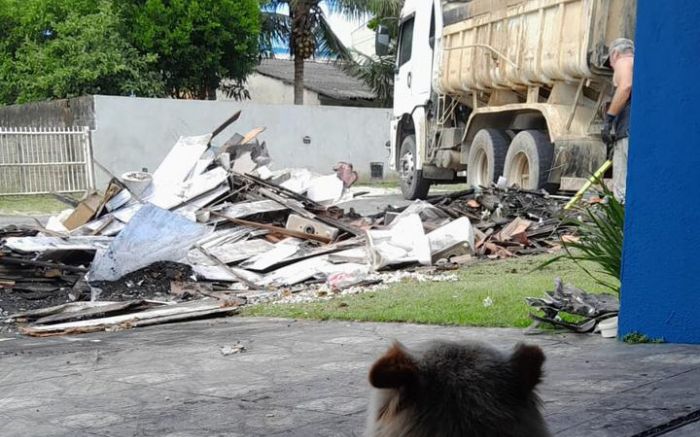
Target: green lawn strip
30	205
382	183
507	283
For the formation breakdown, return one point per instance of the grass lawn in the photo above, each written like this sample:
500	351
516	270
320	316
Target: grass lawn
30	205
383	183
506	282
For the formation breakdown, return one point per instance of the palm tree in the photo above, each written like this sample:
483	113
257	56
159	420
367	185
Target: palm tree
377	72
308	32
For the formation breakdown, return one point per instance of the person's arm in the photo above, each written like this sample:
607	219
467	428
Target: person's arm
623	78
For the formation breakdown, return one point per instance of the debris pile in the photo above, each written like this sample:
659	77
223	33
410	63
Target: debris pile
510	222
214	228
566	299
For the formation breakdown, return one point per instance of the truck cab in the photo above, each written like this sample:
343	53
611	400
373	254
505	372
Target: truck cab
418	27
513	89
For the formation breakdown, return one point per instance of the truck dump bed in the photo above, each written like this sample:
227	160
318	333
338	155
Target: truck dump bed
513	44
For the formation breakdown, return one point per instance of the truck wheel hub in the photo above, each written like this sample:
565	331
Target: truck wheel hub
521	171
408	167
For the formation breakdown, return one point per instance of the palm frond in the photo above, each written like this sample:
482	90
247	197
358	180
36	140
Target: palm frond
377	73
386	8
353	9
274	5
275	28
327	42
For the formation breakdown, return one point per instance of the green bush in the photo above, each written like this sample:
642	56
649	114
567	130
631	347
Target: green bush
601	229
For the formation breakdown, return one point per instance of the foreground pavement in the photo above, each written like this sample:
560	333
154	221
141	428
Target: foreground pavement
303	378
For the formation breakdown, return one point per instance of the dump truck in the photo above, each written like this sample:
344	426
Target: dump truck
492	89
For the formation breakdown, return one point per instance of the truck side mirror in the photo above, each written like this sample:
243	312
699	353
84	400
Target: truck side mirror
382	41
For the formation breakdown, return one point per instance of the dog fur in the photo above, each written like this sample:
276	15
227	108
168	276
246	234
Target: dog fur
456	389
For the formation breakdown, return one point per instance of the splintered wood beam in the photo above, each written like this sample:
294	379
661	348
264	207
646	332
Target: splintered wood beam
275	229
232	119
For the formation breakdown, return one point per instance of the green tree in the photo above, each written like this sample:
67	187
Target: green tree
59	49
8	44
199	43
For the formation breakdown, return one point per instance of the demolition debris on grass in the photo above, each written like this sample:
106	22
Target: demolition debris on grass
215	228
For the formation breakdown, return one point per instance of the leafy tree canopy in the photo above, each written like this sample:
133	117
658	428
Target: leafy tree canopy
82	53
198	42
179	48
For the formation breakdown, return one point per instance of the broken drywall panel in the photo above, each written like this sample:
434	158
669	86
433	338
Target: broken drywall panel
180	161
458	235
281	251
325	189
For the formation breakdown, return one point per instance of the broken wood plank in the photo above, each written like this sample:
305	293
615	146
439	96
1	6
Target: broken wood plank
63	308
228	122
227	309
275	229
184	311
299	209
240	140
247	209
90	313
278	189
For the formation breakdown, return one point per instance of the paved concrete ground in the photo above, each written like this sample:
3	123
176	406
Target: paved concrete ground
303	378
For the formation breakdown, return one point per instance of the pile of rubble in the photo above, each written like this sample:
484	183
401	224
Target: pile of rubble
213	228
511	222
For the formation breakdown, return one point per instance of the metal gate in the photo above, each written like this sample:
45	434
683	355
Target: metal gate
45	160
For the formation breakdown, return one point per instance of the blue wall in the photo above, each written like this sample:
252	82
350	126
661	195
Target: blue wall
661	259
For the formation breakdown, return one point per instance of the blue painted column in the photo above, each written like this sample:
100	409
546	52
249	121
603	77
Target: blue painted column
661	256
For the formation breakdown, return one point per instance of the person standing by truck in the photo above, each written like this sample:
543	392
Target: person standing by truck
615	131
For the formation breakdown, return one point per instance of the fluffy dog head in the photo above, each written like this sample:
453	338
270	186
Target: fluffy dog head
456	389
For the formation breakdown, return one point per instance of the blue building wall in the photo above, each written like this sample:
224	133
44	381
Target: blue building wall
661	257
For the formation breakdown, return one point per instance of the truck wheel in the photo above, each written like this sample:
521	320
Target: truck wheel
486	157
529	160
413	186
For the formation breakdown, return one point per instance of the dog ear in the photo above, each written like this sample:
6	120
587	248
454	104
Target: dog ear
526	362
394	370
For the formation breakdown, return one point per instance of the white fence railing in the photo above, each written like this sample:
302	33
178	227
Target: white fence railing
45	160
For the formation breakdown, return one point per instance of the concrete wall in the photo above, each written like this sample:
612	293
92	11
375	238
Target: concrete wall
57	113
132	133
660	285
268	91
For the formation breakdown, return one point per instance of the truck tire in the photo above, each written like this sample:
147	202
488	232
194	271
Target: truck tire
529	160
487	155
413	186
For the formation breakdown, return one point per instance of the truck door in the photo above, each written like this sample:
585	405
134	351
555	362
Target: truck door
415	58
404	67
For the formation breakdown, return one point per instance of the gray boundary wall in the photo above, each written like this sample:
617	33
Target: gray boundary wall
134	133
65	113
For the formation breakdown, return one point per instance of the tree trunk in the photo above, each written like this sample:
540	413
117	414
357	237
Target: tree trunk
298	80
